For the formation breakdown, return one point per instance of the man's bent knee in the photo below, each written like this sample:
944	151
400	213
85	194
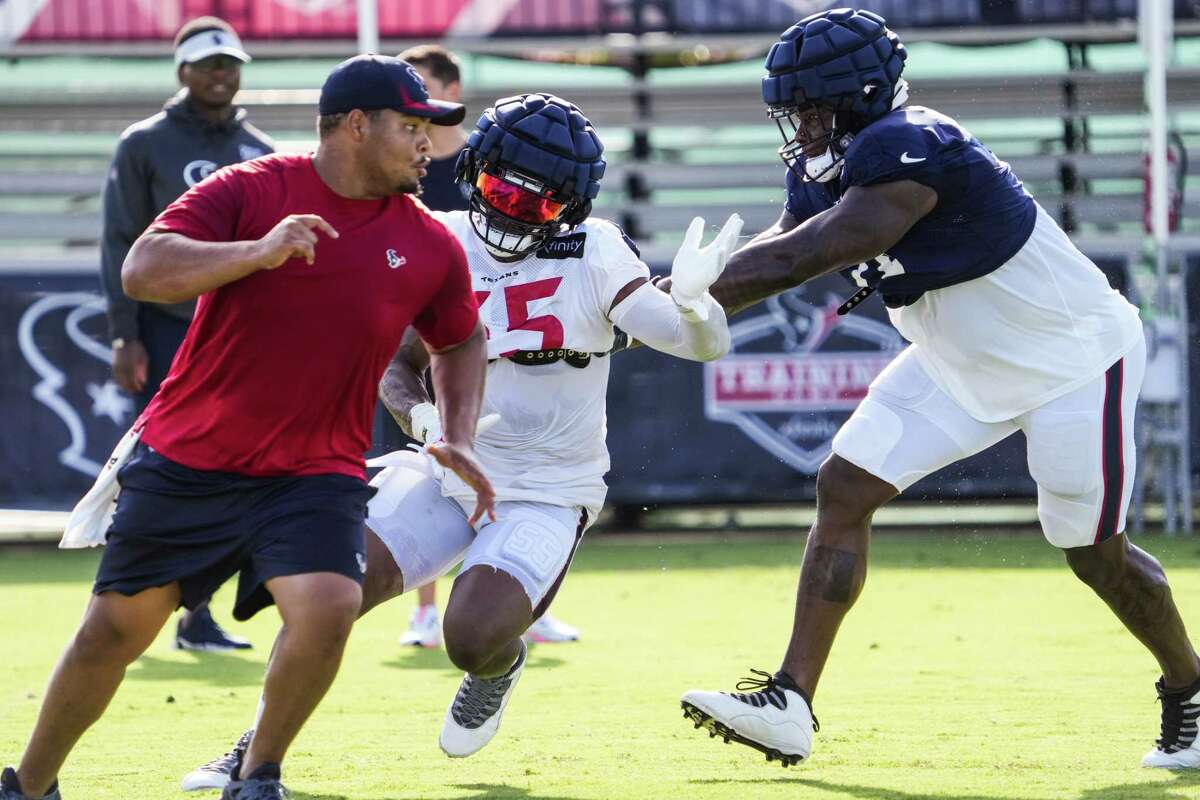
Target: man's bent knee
121	627
466	648
99	639
1101	566
850	493
324	602
487	609
472	639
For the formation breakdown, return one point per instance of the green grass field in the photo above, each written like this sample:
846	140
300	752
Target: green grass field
973	667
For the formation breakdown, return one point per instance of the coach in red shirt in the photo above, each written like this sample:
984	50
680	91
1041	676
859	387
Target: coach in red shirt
308	269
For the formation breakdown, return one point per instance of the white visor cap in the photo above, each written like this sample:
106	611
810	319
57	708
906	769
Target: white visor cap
210	43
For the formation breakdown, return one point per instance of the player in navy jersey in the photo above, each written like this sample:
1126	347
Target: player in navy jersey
1012	328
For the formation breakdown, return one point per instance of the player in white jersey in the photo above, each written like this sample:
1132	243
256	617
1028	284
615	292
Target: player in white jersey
551	282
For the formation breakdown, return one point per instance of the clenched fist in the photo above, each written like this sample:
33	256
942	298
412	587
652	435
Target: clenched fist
294	236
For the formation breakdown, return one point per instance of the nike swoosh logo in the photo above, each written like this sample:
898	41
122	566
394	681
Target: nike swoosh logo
904	159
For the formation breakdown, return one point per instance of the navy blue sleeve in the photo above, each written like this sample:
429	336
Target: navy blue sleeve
806	198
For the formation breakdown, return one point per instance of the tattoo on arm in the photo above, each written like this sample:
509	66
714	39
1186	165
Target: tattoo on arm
829	574
403	384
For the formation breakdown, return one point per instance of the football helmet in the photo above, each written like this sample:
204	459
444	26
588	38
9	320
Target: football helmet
533	165
845	63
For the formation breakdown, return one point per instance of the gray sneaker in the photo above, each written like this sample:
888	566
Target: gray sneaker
263	784
217	773
474	715
10	788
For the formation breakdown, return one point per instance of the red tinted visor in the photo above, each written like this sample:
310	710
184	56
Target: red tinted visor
515	202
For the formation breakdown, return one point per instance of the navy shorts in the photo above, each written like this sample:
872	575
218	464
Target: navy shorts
198	528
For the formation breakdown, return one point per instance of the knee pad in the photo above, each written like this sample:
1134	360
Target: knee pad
886	443
1064	460
1069	520
868	436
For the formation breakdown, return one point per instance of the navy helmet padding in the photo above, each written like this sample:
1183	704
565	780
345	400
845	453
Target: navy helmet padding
831	57
545	137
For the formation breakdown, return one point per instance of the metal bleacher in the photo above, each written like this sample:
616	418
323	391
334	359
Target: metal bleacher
693	147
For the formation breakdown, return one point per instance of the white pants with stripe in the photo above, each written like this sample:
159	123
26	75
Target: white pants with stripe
428	534
1080	446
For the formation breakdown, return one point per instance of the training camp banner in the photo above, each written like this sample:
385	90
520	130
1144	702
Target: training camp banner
752	427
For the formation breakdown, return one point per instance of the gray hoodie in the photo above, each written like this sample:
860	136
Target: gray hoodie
157	160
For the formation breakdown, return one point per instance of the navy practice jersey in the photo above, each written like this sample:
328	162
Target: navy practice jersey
439	189
982	218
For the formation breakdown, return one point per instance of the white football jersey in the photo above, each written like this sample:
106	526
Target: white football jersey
1043	325
549	446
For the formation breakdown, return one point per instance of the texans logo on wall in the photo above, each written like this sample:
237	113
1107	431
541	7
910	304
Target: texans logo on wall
796	372
77	411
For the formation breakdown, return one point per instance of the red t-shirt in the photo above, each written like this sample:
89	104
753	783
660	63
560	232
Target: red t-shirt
279	371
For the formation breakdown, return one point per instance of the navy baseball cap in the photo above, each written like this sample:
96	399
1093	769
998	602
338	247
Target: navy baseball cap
371	82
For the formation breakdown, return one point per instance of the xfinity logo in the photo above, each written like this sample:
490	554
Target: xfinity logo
564	246
395	261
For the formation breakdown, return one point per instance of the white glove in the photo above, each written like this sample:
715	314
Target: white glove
696	268
427	423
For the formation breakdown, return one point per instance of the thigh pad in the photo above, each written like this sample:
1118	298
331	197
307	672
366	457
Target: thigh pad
533	542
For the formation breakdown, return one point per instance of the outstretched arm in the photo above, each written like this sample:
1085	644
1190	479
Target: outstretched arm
865	223
690	323
652	318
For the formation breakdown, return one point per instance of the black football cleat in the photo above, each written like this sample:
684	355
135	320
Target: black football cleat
203	633
262	784
10	788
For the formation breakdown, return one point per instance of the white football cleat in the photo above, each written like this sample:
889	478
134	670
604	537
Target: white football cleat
770	714
546	630
424	628
474	715
1178	746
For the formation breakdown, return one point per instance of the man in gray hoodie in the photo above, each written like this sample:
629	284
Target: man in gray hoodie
198	131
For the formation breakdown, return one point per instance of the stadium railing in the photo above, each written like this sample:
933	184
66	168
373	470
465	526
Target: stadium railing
50	194
30	27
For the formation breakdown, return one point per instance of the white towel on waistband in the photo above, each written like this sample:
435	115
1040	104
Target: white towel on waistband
89	520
